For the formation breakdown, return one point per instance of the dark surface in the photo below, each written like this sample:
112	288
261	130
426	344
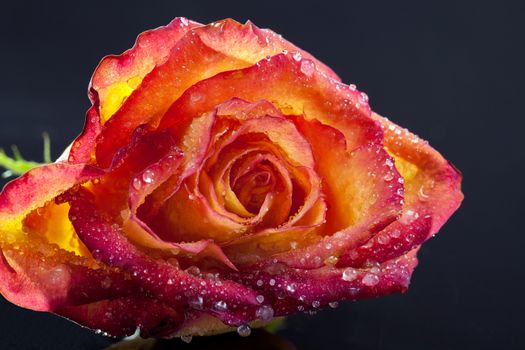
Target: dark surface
452	73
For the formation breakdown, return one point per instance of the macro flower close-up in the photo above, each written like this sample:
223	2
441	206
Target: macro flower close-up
224	178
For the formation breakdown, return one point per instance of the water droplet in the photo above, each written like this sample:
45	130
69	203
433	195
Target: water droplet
297	56
137	184
331	260
389	162
333	304
421	194
293	244
186	338
354	254
170	281
291	288
408	216
196	97
272	282
260	299
363	97
316	303
383	239
370	280
389	176
264	313
184	22
193	270
221	306
349	274
259	283
396	233
307	67
244	330
191	196
352	87
196	303
148	176
317	260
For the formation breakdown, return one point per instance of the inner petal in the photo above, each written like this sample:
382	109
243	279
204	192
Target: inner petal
252	187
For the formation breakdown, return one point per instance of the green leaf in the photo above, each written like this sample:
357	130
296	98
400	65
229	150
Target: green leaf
276	325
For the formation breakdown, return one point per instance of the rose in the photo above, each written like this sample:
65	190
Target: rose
224	177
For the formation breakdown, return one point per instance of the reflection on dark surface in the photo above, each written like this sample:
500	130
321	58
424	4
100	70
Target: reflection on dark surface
259	339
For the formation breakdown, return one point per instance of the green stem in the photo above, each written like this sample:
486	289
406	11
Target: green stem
17	165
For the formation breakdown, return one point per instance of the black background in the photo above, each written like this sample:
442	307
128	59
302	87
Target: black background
451	72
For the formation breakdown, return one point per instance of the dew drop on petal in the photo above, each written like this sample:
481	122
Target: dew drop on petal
196	303
186	338
349	274
363	97
196	97
244	330
333	304
272	282
331	260
290	288
307	67
421	194
193	270
260	299
370	280
221	306
383	239
148	176
137	184
265	313
316	303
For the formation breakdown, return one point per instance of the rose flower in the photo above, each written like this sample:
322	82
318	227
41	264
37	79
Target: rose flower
224	177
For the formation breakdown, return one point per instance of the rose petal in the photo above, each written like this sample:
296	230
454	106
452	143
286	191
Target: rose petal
163	280
432	194
121	317
116	77
280	80
362	188
201	53
431	182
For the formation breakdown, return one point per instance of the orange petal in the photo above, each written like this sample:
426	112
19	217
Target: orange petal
200	54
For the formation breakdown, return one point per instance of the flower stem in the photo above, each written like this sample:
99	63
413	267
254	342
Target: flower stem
17	165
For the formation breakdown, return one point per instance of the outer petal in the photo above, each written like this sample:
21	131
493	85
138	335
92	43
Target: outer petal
202	53
163	280
432	194
116	77
33	190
